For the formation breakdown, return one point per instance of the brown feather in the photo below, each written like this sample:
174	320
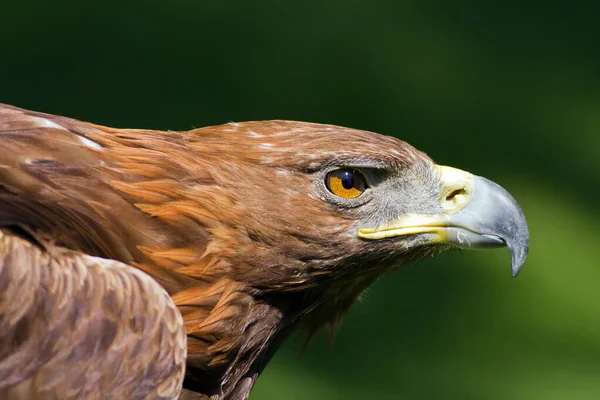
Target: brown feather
221	217
77	326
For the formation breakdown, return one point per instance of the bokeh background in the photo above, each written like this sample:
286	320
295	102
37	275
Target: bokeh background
509	90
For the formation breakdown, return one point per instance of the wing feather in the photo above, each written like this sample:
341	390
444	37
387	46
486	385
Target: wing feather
78	326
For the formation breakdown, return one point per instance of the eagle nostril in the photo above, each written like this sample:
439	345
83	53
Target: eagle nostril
455	193
456	198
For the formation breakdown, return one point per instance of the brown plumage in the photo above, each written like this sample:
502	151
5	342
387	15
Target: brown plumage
233	221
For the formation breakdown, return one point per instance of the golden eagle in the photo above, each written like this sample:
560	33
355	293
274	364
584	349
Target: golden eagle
136	262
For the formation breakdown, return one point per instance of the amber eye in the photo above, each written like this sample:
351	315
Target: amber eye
346	183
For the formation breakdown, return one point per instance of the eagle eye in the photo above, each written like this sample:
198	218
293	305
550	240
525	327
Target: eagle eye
346	183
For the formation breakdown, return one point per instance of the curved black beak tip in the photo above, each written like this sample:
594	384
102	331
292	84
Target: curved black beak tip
518	253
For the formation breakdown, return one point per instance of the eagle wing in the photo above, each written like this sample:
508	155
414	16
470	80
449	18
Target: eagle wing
78	326
77	319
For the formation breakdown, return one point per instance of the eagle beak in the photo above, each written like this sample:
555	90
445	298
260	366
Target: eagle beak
477	214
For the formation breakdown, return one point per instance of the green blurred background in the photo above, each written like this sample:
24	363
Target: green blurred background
509	90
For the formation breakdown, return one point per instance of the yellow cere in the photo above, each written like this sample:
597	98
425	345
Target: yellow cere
457	188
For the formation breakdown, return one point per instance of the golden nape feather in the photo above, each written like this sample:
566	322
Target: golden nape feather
130	256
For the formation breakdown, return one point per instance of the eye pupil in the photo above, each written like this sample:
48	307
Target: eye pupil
347	180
